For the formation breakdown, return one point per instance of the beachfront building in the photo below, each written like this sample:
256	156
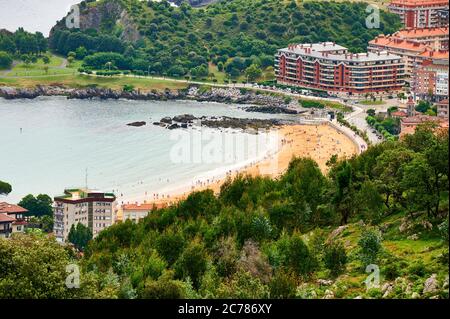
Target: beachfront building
330	67
17	213
421	13
412	52
136	212
436	38
430	80
93	209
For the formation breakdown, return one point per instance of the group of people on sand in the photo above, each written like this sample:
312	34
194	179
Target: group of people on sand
323	142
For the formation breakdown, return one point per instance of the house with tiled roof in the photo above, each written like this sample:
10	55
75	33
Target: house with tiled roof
136	212
17	213
6	225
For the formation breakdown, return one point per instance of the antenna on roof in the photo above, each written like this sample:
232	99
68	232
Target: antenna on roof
86	179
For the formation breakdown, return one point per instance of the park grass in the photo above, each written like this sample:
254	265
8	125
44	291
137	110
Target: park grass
55	67
371	102
80	81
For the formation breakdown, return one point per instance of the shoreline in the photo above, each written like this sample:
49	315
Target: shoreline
317	141
275	102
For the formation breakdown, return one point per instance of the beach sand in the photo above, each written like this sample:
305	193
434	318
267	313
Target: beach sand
318	142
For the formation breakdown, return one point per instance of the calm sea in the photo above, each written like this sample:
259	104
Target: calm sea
47	144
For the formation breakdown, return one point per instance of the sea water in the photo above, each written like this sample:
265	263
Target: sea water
52	143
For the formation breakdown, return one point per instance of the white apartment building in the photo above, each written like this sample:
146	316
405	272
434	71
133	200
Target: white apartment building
95	210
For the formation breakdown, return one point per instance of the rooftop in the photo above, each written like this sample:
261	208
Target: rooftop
421	118
6	219
11	208
435	54
399	114
80	194
404	44
143	207
322	51
416	33
419	2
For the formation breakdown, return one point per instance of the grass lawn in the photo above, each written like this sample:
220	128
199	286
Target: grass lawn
78	81
55	67
371	102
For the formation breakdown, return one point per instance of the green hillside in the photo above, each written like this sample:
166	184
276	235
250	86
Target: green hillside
229	35
304	235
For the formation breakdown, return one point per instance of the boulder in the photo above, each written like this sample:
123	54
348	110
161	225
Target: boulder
167	120
173	126
328	294
324	282
337	232
185	118
431	285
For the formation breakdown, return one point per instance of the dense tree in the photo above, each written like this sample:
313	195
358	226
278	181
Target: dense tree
79	235
5	188
5	60
40	205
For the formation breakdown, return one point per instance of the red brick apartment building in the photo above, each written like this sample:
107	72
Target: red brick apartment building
421	13
330	67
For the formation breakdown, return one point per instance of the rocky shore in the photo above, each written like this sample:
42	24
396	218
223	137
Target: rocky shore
265	103
188	120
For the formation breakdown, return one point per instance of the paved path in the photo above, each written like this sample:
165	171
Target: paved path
6	72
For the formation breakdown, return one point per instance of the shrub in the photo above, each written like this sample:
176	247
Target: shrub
192	263
443	230
370	246
170	245
164	288
283	285
335	258
296	255
5	60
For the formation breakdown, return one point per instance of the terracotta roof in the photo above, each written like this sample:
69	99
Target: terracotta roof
11	208
143	207
437	54
419	2
417	119
443	102
415	33
394	42
5	219
399	114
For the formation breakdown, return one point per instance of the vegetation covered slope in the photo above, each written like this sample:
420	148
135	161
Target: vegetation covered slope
304	235
231	34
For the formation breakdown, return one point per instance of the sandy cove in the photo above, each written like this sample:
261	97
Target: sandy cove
318	142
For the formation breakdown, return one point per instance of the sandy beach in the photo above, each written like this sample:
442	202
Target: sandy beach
318	142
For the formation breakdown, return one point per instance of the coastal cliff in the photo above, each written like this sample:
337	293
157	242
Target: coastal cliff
105	16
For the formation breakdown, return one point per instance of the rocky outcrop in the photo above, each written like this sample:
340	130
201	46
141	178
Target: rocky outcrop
225	95
270	110
99	15
137	124
194	3
187	120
